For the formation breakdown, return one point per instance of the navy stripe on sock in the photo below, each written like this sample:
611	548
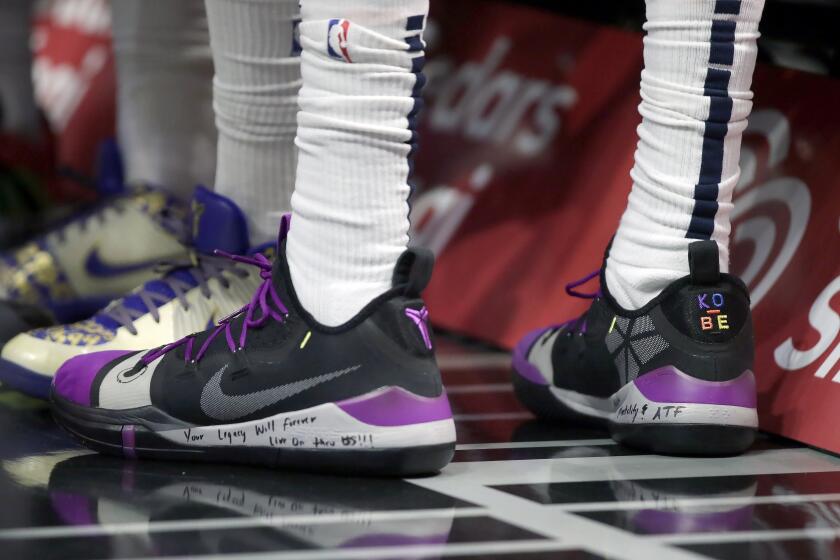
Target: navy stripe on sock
716	88
415	23
415	44
722	49
731	7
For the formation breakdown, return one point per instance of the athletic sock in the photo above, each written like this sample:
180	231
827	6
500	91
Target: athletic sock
257	60
18	111
699	61
164	93
361	66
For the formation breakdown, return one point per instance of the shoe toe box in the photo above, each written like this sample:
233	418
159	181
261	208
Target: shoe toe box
74	379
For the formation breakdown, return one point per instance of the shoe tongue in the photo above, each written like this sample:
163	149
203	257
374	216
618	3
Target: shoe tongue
704	262
110	178
285	225
280	276
217	223
414	270
280	266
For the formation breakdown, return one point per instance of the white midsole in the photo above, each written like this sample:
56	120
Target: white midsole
629	406
325	426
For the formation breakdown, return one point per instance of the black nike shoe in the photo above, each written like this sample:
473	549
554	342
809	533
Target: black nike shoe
673	377
270	385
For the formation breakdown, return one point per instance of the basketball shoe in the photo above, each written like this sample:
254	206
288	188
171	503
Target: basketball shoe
673	377
192	293
22	200
270	385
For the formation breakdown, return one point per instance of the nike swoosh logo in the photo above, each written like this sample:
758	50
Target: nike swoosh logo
99	268
218	405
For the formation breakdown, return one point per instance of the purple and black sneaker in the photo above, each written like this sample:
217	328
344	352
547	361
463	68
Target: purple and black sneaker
269	385
673	377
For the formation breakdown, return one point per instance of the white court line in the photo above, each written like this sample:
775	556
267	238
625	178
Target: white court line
570	529
534	444
233	523
672	503
490	360
467	481
740	536
480	417
479	550
480	388
632	467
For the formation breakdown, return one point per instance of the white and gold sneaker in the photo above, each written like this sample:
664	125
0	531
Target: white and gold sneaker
189	293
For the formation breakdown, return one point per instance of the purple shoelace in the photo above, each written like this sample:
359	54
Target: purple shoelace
261	301
578	324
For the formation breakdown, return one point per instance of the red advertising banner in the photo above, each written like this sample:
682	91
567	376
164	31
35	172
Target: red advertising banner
526	145
74	77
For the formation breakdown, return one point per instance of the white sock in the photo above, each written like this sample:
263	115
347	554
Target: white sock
164	93
699	61
257	59
18	111
355	134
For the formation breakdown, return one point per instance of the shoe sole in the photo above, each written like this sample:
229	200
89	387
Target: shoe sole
137	433
24	380
665	427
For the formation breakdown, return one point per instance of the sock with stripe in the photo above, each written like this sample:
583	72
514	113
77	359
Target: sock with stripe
257	60
360	65
18	111
699	61
164	93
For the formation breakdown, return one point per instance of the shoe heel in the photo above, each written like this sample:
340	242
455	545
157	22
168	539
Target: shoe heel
692	440
670	412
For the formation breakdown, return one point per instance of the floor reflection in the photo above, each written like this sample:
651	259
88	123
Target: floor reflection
247	508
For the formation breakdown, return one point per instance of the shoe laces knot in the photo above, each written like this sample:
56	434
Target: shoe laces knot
579	324
257	313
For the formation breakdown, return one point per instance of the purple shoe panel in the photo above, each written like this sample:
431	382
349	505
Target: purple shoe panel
521	365
670	385
74	378
394	406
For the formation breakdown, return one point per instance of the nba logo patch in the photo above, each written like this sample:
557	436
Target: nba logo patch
338	31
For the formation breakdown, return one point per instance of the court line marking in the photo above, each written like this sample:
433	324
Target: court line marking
754	536
576	531
479	388
672	503
401	551
637	467
535	444
24	533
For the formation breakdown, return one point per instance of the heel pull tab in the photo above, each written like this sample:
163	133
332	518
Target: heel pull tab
704	262
414	270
